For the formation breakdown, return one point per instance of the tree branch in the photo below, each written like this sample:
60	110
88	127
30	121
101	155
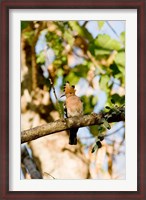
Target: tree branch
73	122
30	164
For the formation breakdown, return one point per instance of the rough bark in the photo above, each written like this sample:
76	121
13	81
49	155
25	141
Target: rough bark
30	164
74	122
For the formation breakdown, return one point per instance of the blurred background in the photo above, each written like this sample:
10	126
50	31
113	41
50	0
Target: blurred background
91	56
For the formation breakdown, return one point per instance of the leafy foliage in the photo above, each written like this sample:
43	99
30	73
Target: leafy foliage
72	43
84	54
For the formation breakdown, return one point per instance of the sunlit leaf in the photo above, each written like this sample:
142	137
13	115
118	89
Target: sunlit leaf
106	42
82	31
73	79
93	130
120	59
100	24
94	100
41	57
68	37
101	51
122	37
104	79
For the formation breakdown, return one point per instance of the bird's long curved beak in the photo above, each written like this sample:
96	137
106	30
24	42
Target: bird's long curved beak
62	95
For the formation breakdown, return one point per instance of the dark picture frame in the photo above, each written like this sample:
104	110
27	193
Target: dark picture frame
5	6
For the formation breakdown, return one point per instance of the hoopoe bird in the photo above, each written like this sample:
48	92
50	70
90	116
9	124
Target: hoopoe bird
73	107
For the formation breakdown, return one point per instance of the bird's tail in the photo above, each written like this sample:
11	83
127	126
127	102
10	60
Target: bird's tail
73	136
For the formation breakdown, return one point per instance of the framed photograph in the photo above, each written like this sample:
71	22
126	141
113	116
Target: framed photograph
72	99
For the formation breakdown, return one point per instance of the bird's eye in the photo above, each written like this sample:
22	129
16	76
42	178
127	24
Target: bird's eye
73	86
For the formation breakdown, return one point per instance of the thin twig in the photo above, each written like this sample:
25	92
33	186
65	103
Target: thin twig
112	29
48	174
58	105
85	23
95	62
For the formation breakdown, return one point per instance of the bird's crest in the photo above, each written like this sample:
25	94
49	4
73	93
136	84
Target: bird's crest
69	88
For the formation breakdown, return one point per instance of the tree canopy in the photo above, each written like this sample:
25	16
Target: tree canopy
91	56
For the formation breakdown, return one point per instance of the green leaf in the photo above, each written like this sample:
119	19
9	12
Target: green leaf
94	148
120	59
100	129
118	99
104	79
106	124
81	70
101	137
107	107
69	38
106	42
82	31
89	102
113	101
100	24
94	130
98	143
41	57
115	69
99	52
59	72
57	62
122	37
29	36
94	100
24	24
73	79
